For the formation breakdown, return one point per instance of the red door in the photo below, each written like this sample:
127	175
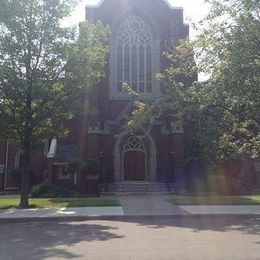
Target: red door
134	166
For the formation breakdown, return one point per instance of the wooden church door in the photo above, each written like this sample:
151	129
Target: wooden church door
134	159
134	166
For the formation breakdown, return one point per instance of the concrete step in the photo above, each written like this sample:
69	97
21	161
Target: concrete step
135	188
135	193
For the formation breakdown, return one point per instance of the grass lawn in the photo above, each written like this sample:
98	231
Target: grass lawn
61	203
216	200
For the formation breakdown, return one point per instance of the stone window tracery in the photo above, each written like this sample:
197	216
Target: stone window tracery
134	55
134	143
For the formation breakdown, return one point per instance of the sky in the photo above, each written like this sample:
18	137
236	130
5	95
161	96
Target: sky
194	10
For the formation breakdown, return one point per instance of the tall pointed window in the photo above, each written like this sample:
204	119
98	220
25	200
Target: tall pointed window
134	55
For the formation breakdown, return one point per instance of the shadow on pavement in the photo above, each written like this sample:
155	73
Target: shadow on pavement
244	224
48	239
37	240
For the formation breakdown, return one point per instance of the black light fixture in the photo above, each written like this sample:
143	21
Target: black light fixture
100	154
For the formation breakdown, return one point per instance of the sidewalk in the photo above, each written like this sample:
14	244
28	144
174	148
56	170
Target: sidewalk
132	206
61	213
153	205
222	210
158	205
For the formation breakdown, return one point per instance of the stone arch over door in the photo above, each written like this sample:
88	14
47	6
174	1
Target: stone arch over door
136	148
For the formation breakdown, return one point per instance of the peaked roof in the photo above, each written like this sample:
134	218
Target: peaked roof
101	2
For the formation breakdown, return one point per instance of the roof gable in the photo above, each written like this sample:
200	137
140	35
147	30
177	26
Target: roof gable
102	1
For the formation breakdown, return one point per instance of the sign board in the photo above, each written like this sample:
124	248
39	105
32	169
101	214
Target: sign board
2	168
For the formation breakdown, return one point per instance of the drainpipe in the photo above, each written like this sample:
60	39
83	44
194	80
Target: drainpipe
6	164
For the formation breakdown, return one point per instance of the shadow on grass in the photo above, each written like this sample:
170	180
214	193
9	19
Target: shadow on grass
59	203
88	202
32	206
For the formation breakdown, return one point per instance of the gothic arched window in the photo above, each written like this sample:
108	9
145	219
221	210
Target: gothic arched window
134	55
134	143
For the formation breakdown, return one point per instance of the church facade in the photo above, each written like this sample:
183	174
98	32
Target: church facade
140	31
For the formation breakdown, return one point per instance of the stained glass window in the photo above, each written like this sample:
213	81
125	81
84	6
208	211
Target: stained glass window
134	55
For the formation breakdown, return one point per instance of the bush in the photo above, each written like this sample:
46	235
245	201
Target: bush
39	190
52	191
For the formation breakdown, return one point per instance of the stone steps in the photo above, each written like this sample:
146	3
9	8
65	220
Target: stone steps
135	188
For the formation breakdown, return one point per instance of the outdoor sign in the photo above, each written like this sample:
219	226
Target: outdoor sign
2	168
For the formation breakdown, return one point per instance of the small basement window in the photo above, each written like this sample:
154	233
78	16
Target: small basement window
63	173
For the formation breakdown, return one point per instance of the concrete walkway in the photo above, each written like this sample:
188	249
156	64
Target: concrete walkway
63	212
222	210
158	205
149	205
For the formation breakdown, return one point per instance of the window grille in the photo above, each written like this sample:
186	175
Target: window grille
134	143
134	55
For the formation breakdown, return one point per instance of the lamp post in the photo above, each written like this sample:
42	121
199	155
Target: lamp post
100	156
172	154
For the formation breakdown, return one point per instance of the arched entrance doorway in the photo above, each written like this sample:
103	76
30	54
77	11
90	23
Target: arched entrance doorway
134	160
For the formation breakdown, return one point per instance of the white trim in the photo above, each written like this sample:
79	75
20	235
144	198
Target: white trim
53	148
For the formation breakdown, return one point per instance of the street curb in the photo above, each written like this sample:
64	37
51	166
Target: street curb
124	218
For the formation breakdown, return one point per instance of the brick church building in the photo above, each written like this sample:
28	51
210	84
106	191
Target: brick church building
140	31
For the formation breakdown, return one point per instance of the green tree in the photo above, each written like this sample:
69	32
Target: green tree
45	71
230	44
225	108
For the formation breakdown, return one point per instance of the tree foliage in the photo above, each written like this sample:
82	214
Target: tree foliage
45	69
224	110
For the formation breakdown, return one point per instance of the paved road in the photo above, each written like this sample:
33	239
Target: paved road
154	238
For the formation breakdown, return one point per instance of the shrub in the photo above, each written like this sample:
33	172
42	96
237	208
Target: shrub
91	167
77	166
88	166
52	191
40	189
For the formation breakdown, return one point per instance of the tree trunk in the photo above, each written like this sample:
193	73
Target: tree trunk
25	187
